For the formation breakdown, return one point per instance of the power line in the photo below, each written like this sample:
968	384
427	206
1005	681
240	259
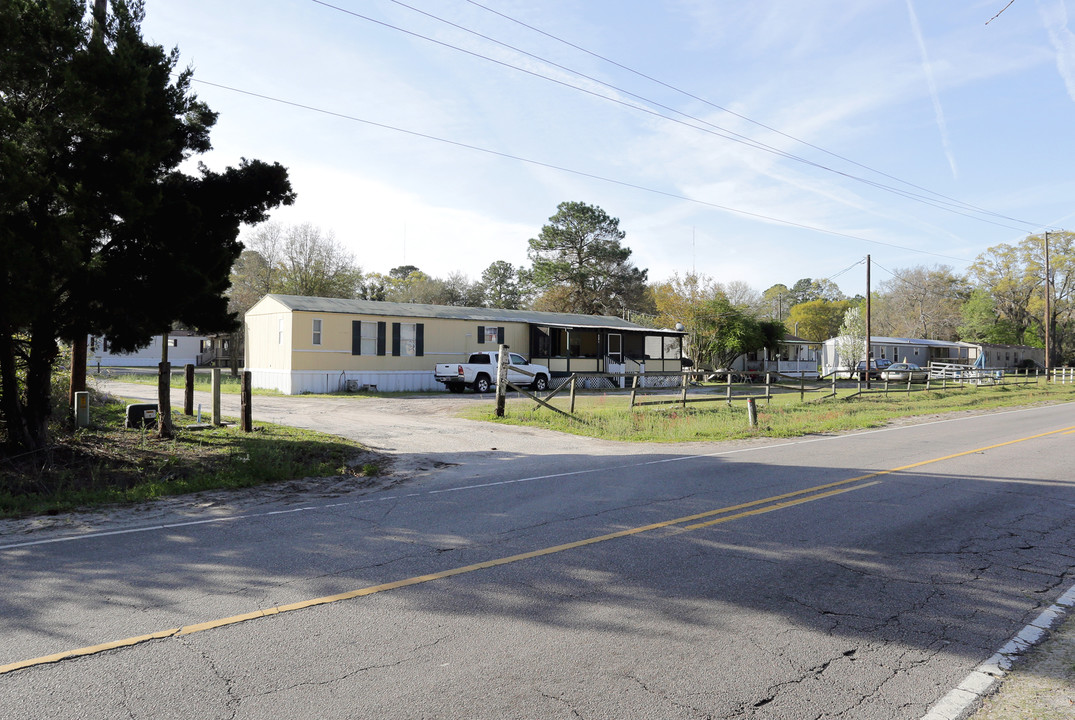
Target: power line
560	168
757	123
945	204
846	269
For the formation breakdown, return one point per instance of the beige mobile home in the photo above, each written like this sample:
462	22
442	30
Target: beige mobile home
310	344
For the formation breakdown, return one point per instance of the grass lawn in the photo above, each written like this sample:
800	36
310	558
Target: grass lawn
106	463
609	415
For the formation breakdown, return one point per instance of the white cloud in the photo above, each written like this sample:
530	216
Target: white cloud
1055	16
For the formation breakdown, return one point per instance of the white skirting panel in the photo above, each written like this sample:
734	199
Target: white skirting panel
299	381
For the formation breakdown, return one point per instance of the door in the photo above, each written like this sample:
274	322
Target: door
615	348
614	357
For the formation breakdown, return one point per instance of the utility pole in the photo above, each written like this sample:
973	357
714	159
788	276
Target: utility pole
1048	307
869	328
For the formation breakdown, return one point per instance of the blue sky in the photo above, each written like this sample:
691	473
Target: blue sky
923	97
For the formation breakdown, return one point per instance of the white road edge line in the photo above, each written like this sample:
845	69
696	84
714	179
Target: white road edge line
680	458
982	680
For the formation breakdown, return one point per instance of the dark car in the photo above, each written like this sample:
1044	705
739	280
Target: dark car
860	371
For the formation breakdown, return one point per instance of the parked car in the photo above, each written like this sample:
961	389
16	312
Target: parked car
904	372
859	373
479	373
883	363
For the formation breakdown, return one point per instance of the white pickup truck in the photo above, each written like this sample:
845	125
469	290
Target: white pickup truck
479	372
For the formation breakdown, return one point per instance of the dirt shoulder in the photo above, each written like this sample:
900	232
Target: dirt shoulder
1042	686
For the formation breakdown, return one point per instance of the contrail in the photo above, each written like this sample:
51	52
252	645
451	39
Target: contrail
937	110
1055	17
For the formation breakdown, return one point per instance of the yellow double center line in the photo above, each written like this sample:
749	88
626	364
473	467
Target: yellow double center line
699	520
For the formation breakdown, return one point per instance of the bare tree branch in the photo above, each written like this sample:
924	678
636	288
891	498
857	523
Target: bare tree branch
1000	13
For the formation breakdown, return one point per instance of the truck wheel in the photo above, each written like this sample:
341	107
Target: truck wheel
456	387
481	384
541	383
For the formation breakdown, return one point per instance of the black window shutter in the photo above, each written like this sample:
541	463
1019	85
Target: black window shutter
395	339
500	336
381	332
420	339
356	337
481	334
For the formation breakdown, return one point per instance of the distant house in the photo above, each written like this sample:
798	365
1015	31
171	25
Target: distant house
1007	356
309	344
922	352
216	351
184	347
794	356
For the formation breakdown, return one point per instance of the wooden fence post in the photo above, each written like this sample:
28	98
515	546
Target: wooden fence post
188	389
634	391
164	400
683	397
246	419
729	388
572	388
215	375
501	379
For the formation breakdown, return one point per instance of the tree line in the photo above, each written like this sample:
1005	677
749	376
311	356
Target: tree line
579	264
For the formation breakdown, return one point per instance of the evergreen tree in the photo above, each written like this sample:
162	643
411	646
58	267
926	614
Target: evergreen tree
99	231
580	265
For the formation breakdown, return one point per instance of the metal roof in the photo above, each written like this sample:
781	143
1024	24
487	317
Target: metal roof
878	340
452	312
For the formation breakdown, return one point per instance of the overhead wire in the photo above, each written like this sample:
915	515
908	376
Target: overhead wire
711	128
580	173
748	119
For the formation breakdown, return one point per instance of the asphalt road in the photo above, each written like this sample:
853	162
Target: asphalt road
859	576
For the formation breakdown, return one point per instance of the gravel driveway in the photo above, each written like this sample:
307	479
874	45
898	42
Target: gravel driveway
419	433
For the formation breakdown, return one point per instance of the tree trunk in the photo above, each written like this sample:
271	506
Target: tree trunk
78	367
164	392
38	406
11	409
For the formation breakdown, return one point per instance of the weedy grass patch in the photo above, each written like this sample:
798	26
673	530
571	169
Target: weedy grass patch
609	415
106	463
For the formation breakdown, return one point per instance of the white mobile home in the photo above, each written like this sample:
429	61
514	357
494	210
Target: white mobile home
184	348
922	352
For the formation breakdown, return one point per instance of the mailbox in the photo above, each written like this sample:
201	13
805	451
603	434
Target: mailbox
140	415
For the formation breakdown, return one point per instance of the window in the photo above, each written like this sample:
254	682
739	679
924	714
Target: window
173	342
408	339
369	338
317	331
490	334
